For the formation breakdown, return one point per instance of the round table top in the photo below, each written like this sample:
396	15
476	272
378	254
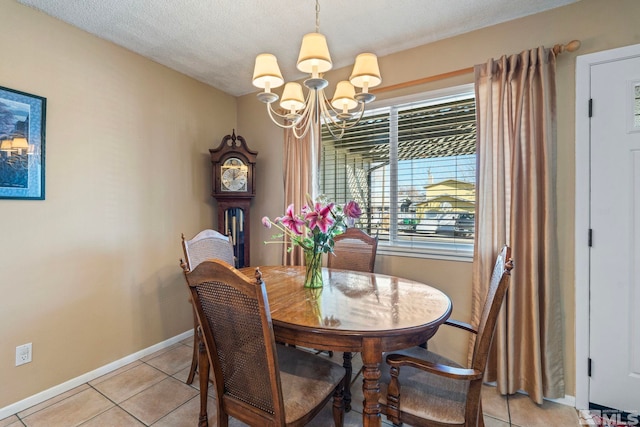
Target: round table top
351	301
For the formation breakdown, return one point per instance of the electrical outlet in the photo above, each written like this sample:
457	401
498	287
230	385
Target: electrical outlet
23	354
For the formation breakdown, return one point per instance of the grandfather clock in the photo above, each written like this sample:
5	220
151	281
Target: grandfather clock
233	177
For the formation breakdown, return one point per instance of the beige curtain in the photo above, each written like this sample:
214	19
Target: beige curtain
516	111
301	157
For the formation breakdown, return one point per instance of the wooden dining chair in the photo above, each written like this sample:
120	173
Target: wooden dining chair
354	250
422	388
256	381
205	245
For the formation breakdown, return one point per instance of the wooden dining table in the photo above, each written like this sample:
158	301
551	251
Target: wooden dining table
369	313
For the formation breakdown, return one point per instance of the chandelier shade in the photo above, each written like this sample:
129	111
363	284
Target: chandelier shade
314	55
266	74
366	72
345	109
292	97
344	98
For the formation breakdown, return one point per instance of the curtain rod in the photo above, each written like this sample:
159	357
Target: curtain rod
572	46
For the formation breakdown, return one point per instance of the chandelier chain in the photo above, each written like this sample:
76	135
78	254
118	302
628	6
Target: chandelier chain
317	16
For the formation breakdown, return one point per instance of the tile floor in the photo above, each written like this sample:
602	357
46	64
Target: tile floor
152	392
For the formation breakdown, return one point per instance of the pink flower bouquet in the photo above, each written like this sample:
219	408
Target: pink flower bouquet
313	229
316	225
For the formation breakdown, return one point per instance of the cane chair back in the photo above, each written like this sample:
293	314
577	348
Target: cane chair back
256	381
354	250
207	244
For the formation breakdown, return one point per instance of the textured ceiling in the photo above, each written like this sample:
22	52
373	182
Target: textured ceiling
216	42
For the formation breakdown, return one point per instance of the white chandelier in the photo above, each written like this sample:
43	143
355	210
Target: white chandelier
314	59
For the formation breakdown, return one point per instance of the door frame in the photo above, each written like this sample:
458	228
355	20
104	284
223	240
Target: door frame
582	209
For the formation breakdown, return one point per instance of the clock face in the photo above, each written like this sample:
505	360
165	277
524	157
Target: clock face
233	175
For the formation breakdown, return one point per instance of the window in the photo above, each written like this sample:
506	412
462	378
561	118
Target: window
411	165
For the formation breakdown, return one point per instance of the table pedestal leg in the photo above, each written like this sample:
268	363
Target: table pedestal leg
371	358
347	380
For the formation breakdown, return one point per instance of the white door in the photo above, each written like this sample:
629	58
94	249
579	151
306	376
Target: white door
614	311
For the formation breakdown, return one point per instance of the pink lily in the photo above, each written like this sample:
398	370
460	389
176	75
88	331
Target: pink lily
291	221
320	217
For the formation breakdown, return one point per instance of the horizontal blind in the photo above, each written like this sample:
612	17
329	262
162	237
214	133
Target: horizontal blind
346	164
433	172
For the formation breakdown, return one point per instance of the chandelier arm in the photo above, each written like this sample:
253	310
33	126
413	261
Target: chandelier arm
307	116
305	129
327	109
360	115
273	111
276	122
329	113
329	120
348	125
302	135
333	133
333	124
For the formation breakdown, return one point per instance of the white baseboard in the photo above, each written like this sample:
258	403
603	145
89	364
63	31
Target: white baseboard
567	400
89	376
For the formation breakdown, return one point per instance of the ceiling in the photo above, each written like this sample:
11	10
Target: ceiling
216	42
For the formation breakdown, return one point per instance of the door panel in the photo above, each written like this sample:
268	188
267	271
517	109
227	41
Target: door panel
614	345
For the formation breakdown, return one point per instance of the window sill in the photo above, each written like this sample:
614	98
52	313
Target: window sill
443	251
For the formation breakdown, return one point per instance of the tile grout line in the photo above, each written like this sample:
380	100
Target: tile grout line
180	406
89	386
22	419
116	405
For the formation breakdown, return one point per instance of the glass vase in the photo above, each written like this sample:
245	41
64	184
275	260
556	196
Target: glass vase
313	273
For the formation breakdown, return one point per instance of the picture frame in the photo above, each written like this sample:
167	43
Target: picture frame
22	143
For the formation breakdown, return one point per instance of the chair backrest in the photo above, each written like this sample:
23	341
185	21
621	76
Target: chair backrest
234	315
495	296
205	245
354	250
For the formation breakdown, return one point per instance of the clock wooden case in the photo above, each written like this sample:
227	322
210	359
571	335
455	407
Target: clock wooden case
233	181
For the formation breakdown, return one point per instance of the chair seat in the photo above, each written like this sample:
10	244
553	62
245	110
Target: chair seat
426	395
306	379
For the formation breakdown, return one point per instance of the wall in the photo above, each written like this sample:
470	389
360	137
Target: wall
600	25
91	274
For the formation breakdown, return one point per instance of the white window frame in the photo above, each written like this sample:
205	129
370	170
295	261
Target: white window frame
457	251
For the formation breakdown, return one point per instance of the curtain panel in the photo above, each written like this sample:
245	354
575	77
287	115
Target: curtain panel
516	126
301	163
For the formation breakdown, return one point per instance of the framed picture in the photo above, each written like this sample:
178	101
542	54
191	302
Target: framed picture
22	125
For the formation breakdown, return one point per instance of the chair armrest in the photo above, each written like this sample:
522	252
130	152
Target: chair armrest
397	360
461	325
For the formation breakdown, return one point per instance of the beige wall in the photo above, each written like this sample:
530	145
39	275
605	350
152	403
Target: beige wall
91	274
598	24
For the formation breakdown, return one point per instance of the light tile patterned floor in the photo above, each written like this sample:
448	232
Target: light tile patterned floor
152	392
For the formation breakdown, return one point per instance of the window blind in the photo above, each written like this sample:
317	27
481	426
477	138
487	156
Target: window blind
412	169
